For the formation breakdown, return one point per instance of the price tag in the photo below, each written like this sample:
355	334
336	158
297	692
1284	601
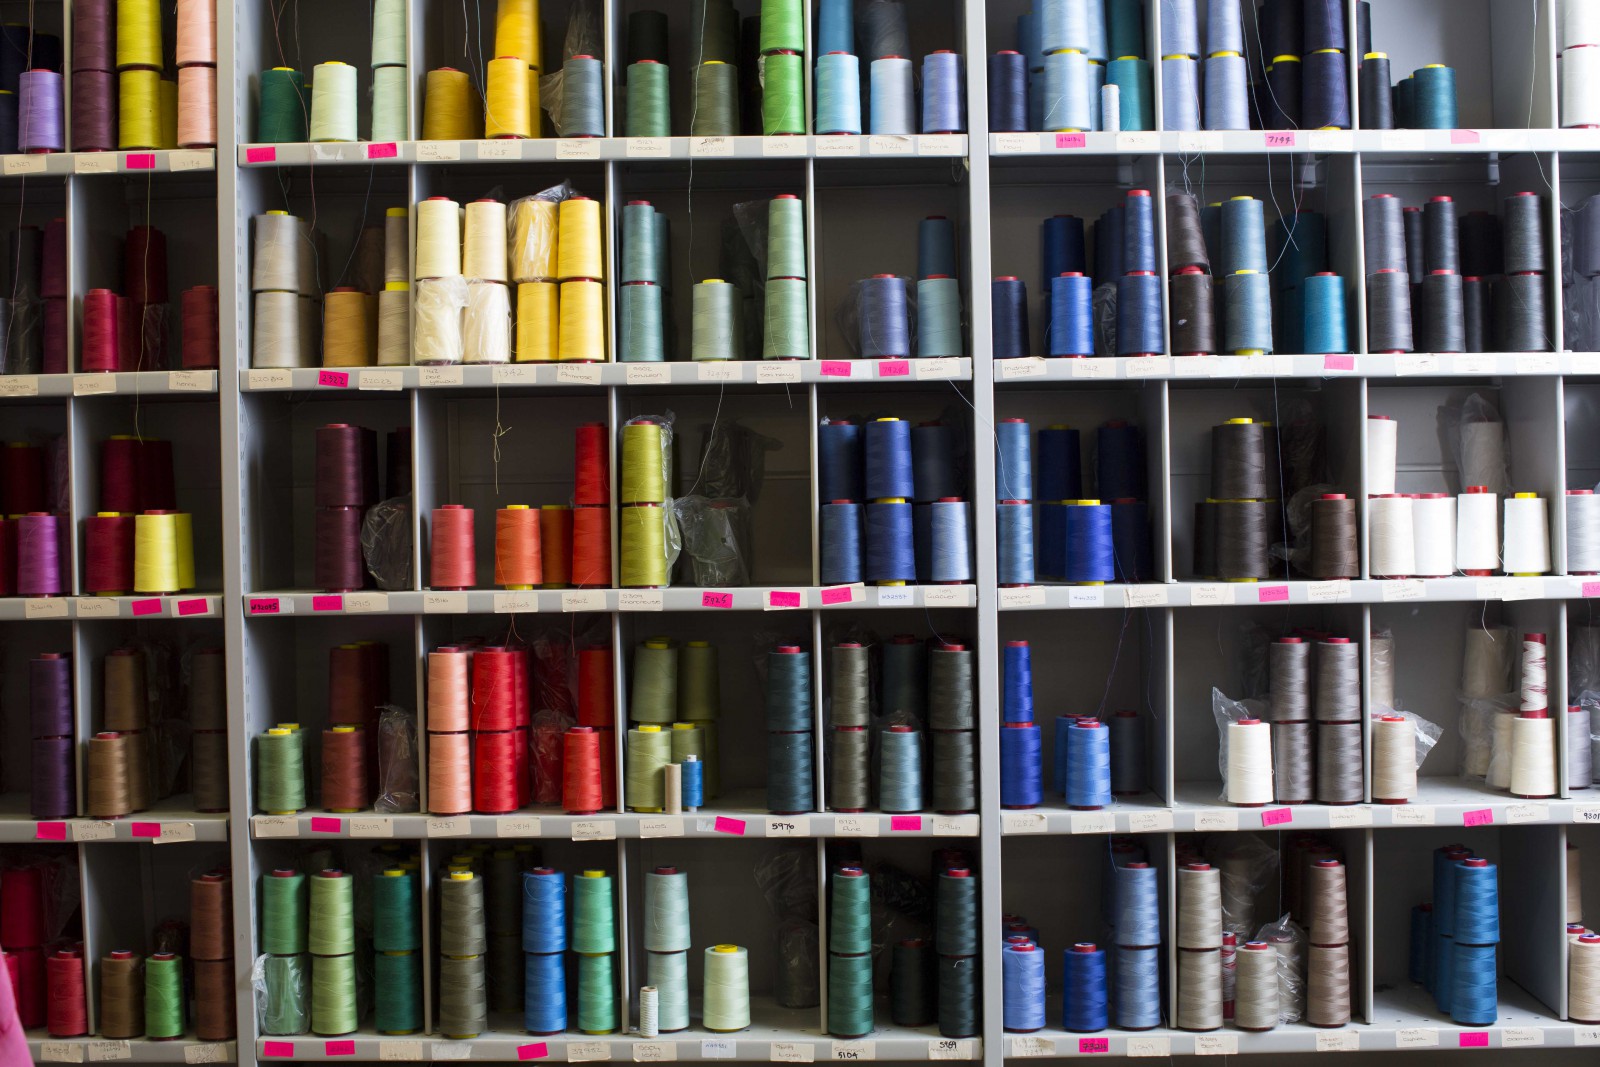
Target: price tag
1149	822
842	594
1147	367
1025	597
594	830
1525	813
371	826
885	145
333	379
437	377
94	830
1472	1039
269	379
1149	1046
1093	1045
277	1049
836	368
855	826
1027	367
171	832
647	374
1093	368
792	1051
507	148
94	163
50	831
942	367
513	375
1403	589
578	148
1221	1044
147	606
1023	822
789	145
789	826
1093	822
947	596
896	596
1416	1037
449	826
521	602
950	1049
654	1051
17	385
1338	1041
1328	592
1278	139
836	145
902	824
710	147
207	1053
726	370
588	1051
942	144
1211	595
640	600
778	372
329	602
1088	596
1217	820
339	1048
101	1051
855	1051
647	147
784	599
1478	817
894	368
22	164
1335	363
383	150
517	826
1277	817
1006	144
438	151
46	607
668	826
713	598
1350	815
1027	1048
93	384
583	600
275	826
59	1051
578	374
1411	815
444	603
1145	596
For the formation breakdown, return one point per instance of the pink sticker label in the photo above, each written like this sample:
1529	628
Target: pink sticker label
1474	1040
140	160
329	602
197	605
264	605
326	824
535	1051
838	594
1279	138
894	368
1481	817
1336	362
1276	817
145	829
267	154
725	825
50	831
334	379
716	600
1094	1044
835	368
382	151
151	606
1071	140
1591	588
277	1049
1272	594
1464	137
905	823
338	1048
788	598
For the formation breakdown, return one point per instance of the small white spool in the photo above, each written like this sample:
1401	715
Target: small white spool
1255	998
1199	906
1249	762
394	325
1392	541
483	257
1533	755
275	338
1433	527
1579	70
438	307
1394	760
648	1026
1111	109
1477	531
1583	979
486	327
438	238
1199	989
1383	445
333	102
535	236
276	265
1583	531
1527	535
1483	455
1579	24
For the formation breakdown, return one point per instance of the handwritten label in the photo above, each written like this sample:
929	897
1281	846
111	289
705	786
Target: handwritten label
715	599
1407	365
94	830
147	606
371	826
536	1050
779	372
438	151
1014	143
50	831
339	1048
1223	1044
46	607
647	374
1480	817
578	148
1586	1035
400	1050
365	603
855	1051
1590	815
60	1051
210	1052
451	1050
829	146
1525	813
274	826
719	1048
791	1051
1278	139
93	384
855	826
1025	597
444	603
1148	367
1027	1048
1093	822
894	368
1404	589
438	377
190	160
1217	820
1277	816
18	385
506	148
513	375
94	163
648	147
1145	596
449	826
942	144
955	825
1338	1041
333	379
588	1051
905	824
168	833
835	368
1411	815
1535	363
1272	594
382	381
1328	592
896	596
261	154
578	374
640	600
781	599
886	145
654	1051
1140	1047
789	826
1350	815
1028	367
839	594
947	596
658	826
583	600
102	1051
1023	822
517	826
1089	1046
269	379
938	368
1416	1037
1133	141
723	370
710	147
788	145
1521	1036
594	830
1210	595
1149	822
1477	1039
521	602
1093	368
97	607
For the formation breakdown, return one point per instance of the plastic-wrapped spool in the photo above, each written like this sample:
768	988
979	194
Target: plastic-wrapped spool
534	240
1392	545
439	310
1527	535
1433	520
486	332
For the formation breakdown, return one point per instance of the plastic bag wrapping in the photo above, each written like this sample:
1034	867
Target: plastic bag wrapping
583	38
1488	673
1583	659
1103	305
386	542
847	316
398	789
900	891
1589	700
282	986
1427	731
1475	435
439	307
787	880
1254	642
544	749
1227	711
1490	740
1289	941
1246	863
554	674
1580	263
715	535
171	935
667	422
750	218
486	323
1380	669
733	461
58	874
796	983
531	224
1297	522
1300	451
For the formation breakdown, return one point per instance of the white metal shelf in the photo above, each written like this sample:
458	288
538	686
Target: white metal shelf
125	383
89	608
1036	369
1455	142
62	164
1183	594
554	601
137	1050
607	149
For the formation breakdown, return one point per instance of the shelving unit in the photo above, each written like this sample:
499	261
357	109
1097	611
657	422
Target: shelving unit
244	466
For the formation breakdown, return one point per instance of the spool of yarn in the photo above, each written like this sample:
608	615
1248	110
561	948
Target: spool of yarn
333	102
1249	762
